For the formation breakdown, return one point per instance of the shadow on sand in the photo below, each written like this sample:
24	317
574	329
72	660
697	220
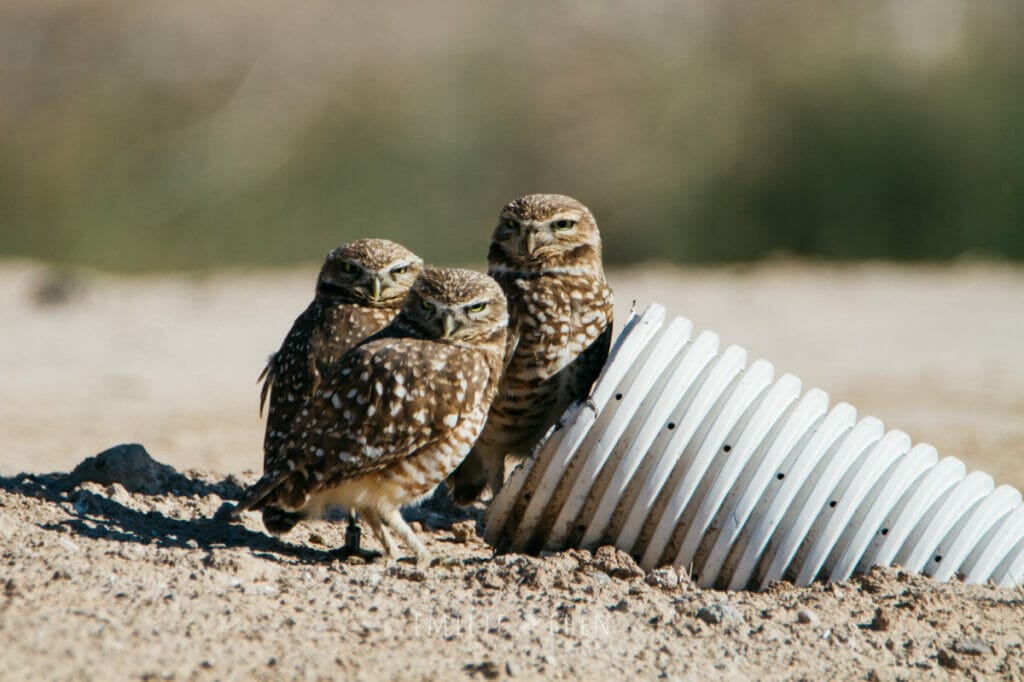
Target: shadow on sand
102	516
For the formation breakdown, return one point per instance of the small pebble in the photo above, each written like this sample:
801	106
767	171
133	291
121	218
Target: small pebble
464	531
881	621
68	544
663	579
971	647
806	616
720	613
415	575
488	669
948	660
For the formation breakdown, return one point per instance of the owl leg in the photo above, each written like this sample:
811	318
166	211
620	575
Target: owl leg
395	520
376	524
353	533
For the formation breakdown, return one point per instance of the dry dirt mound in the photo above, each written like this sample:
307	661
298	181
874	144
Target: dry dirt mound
102	582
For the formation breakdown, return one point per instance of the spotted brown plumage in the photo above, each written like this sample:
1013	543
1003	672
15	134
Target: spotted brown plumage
546	255
359	290
395	415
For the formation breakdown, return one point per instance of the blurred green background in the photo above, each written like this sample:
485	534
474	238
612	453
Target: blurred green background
168	135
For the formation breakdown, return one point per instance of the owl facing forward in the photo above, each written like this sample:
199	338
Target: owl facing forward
396	414
546	255
359	290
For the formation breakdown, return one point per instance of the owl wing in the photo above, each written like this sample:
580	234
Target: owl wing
291	375
276	369
586	367
374	408
590	362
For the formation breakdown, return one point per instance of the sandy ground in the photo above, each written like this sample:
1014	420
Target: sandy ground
99	581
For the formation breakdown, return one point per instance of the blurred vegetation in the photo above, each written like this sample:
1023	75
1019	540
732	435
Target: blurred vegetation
138	136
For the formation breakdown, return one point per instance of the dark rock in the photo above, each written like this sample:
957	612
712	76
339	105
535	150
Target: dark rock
621	605
128	464
881	621
487	669
948	660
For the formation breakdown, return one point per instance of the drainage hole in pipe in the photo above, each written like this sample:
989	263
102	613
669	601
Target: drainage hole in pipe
780	475
833	503
726	448
618	396
671	425
884	531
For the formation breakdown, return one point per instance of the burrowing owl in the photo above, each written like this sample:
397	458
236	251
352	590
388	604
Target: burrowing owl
546	255
360	288
395	415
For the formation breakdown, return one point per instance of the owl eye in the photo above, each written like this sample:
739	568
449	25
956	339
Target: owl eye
350	268
428	306
400	270
512	225
563	224
476	307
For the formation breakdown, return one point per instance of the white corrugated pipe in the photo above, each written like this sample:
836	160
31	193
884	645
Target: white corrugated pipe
686	455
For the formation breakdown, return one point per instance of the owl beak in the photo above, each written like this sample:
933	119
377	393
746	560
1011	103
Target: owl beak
529	243
448	320
375	293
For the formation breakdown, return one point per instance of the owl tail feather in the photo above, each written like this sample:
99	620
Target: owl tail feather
256	496
267	377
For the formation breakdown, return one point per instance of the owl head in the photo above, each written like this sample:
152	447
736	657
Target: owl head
373	272
456	306
543	232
